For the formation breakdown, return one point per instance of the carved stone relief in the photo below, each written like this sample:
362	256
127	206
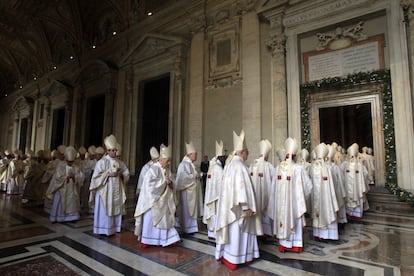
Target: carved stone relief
23	107
224	55
341	37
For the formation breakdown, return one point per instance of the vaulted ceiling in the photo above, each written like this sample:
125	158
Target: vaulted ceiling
38	36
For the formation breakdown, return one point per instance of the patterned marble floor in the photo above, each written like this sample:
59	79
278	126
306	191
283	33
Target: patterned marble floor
380	244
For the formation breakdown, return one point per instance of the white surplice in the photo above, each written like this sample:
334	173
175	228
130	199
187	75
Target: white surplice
262	173
107	195
338	180
213	186
65	193
155	209
142	173
324	202
15	184
236	233
355	178
188	187
287	203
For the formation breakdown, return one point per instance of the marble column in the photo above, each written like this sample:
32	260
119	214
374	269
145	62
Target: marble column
15	137
176	100
29	132
34	124
251	116
123	93
67	127
124	115
109	111
408	9
76	129
195	94
401	93
47	133
293	88
276	44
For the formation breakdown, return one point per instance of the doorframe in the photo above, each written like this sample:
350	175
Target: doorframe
373	96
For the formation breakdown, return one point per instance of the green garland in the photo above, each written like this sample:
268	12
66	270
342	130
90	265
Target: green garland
382	77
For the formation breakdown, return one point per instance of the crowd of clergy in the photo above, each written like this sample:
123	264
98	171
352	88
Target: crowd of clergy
67	182
243	203
240	204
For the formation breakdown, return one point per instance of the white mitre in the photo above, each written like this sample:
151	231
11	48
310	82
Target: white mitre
61	149
100	150
239	141
281	154
219	148
321	151
353	150
92	149
264	147
304	154
154	153
165	151
190	148
291	147
331	152
70	153
110	142
82	150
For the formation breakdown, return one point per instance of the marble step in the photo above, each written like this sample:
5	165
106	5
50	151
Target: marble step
385	202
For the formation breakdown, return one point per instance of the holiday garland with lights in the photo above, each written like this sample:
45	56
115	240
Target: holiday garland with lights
381	77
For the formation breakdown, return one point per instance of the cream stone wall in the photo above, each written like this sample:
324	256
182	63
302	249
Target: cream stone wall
223	114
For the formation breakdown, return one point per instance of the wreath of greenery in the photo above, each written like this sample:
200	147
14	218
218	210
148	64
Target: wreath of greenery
382	77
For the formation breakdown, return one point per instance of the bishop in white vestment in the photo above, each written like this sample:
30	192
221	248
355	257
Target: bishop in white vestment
63	189
355	183
237	224
287	202
262	173
154	158
213	186
324	203
108	191
155	210
188	187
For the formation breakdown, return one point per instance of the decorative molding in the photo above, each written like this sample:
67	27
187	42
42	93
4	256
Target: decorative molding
307	13
341	37
276	44
178	64
152	45
96	70
224	53
266	5
406	4
57	95
224	82
23	107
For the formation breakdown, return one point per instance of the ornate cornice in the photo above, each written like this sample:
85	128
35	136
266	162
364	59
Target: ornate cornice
306	13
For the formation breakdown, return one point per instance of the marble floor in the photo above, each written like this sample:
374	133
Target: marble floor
379	244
